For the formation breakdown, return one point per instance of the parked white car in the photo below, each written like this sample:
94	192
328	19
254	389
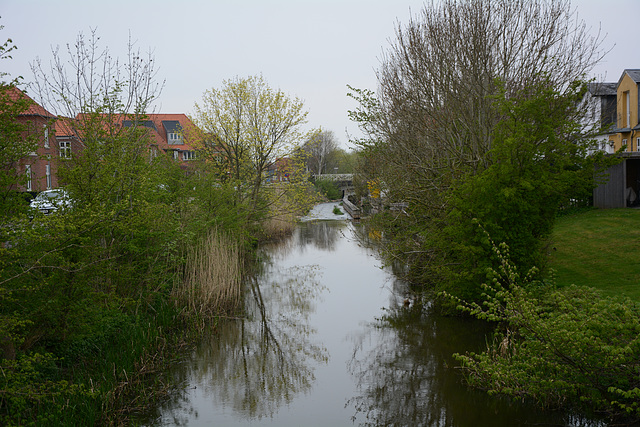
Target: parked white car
51	200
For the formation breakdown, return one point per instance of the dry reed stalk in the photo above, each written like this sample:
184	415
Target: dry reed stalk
279	225
213	276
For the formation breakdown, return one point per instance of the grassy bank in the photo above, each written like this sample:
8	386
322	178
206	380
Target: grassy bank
599	248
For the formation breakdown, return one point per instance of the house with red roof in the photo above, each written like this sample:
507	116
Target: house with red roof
170	133
59	138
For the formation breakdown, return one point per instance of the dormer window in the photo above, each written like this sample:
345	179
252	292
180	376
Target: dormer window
174	138
174	132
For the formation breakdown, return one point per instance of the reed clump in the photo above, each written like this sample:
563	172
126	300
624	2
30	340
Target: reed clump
212	281
279	225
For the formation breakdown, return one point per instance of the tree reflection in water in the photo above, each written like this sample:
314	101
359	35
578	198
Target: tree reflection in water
261	361
408	377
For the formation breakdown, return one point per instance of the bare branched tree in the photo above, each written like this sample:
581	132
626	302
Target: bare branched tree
88	79
438	81
93	93
319	150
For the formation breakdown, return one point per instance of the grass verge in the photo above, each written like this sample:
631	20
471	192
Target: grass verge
598	248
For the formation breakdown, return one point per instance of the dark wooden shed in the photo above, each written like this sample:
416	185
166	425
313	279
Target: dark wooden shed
622	187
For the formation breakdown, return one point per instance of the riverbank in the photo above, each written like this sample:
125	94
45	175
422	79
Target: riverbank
116	369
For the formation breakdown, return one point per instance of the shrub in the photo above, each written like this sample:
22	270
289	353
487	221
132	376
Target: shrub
328	188
569	346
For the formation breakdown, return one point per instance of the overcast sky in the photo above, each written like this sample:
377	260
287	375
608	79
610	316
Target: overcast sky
308	48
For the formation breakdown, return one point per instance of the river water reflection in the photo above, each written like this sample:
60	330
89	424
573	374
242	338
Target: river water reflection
327	341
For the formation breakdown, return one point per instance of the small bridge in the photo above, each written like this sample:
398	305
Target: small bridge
345	182
339	177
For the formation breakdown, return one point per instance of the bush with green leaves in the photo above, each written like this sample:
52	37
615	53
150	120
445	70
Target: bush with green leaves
328	188
568	347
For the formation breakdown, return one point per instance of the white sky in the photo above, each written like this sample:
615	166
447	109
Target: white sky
308	48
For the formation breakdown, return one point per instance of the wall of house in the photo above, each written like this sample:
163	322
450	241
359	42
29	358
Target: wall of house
43	162
627	117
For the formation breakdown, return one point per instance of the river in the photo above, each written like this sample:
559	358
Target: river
327	339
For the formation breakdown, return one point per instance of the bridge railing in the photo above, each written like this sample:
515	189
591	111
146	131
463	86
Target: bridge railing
334	176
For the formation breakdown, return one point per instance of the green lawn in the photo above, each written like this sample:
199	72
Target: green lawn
599	248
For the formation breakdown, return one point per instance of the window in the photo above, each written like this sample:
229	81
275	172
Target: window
153	153
175	155
65	149
48	172
175	138
628	101
188	155
28	174
46	136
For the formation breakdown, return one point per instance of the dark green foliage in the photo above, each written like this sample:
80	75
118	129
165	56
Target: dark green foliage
87	285
328	188
87	317
536	166
538	163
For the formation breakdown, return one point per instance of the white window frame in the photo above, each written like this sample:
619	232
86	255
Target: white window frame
153	153
188	155
624	144
176	156
46	136
65	149
48	174
627	96
174	138
27	172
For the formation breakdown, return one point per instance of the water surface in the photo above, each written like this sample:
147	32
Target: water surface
327	340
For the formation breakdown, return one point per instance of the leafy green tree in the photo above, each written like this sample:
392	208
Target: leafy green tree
16	142
438	121
247	127
110	258
345	161
538	164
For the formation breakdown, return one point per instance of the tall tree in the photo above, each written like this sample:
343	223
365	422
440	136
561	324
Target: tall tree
118	239
250	125
320	149
16	142
432	123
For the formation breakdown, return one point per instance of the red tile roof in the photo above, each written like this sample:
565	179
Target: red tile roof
64	127
159	130
34	109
